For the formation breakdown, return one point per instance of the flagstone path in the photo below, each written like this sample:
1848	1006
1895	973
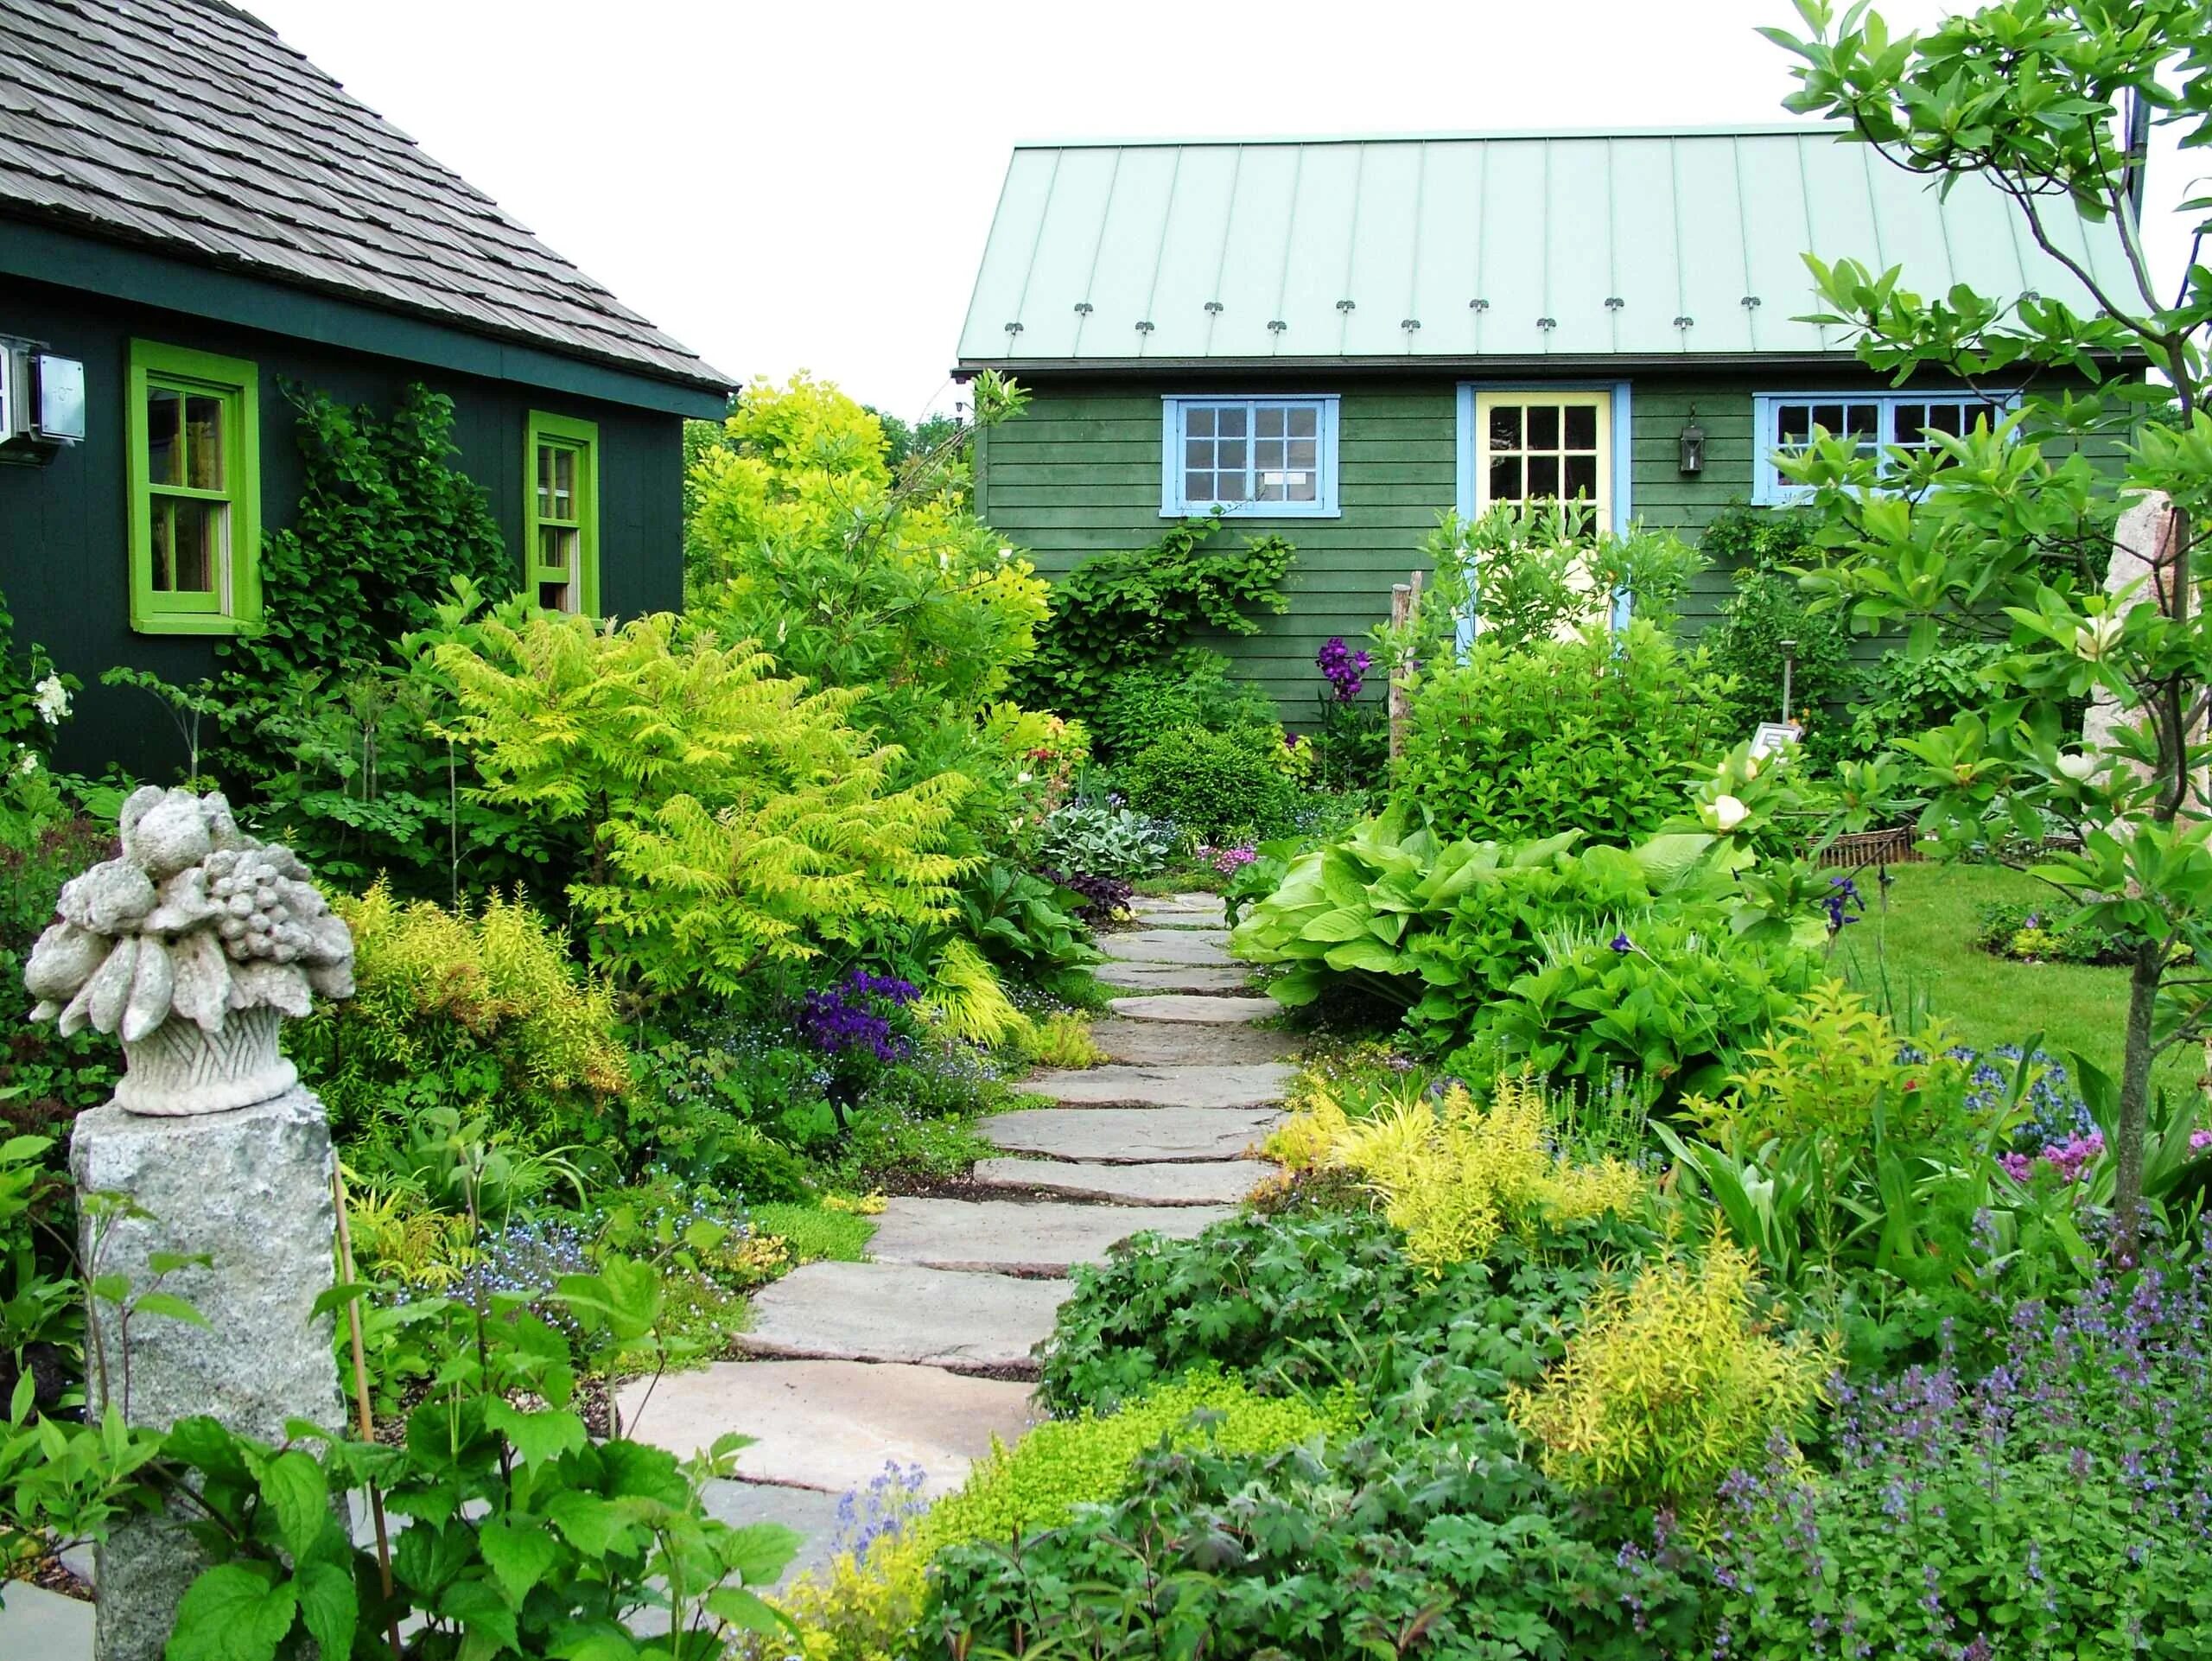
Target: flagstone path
923	1355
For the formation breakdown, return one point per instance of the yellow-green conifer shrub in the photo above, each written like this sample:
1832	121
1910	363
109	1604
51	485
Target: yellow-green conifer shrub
730	817
435	988
1455	1176
1672	1383
863	1610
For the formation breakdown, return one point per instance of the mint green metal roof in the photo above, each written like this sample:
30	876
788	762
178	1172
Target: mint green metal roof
1507	246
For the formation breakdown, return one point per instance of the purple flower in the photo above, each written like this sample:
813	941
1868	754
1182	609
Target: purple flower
1343	667
1622	944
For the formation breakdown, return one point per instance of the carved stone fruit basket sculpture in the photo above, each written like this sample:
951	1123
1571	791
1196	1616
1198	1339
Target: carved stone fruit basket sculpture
193	947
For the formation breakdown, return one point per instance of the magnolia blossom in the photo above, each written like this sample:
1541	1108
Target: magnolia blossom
2097	636
2078	766
50	699
1727	813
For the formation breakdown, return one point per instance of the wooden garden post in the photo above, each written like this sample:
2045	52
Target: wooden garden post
1405	607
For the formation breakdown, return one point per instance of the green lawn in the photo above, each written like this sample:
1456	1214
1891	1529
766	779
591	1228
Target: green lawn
1919	943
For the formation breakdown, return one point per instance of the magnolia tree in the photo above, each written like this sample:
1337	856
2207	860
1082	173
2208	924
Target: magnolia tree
2007	533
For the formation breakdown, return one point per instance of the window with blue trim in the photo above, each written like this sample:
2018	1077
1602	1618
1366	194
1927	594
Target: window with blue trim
1263	457
1880	423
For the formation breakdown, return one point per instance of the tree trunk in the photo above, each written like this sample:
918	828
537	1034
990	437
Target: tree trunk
2134	1125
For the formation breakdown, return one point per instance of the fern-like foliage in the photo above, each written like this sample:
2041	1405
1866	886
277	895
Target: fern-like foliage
729	816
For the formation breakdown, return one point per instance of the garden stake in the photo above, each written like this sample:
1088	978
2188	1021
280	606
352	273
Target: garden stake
365	1419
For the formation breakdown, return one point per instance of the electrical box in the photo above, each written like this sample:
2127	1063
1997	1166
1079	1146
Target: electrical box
42	402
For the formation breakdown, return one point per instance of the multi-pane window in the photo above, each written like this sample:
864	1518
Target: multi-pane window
563	533
193	431
1878	422
1545	446
1267	457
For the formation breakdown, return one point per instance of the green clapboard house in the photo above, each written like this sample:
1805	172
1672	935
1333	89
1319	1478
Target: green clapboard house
194	218
1340	339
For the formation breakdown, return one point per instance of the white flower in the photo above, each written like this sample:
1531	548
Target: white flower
1750	766
1727	813
1006	553
2078	766
50	699
1023	779
2097	637
27	764
945	561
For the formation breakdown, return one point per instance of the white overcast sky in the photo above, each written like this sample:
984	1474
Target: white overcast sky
807	186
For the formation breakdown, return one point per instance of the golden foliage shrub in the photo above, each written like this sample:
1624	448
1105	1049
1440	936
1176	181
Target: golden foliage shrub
483	1007
1454	1176
1671	1384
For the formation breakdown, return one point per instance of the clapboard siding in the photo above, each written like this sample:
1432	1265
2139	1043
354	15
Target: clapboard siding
1078	475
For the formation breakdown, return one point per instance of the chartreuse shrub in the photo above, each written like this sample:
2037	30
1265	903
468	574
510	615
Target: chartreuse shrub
864	1606
481	1009
724	817
1601	730
1672	1383
1456	1177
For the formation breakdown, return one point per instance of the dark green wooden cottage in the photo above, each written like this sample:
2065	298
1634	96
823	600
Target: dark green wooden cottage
1341	339
191	215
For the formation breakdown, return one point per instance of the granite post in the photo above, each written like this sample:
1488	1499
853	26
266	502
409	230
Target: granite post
192	947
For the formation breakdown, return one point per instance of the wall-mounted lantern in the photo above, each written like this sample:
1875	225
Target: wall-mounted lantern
42	402
1691	441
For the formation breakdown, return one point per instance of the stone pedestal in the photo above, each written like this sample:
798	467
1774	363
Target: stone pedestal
250	1190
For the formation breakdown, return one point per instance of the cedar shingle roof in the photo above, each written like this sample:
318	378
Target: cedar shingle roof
187	126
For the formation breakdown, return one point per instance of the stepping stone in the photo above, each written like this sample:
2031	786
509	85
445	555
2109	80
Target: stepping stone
897	1312
1201	908
1249	1084
1128	1135
1163	1043
1175	945
1012	1236
1202	1011
1173	977
813	1513
42	1625
1202	1183
829	1425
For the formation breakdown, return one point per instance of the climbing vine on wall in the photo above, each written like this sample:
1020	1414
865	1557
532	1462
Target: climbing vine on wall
1125	609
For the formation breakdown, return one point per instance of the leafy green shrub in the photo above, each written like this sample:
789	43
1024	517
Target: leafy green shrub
1760	547
482	1012
1906	693
1599	732
1430	1533
1672	998
864	1603
1304	1300
33	700
1212	785
2033	934
1127	610
1670	1384
1026	926
1099	839
1189	687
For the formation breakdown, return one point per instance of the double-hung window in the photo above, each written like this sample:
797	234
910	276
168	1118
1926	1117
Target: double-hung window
1878	422
193	443
561	538
1259	457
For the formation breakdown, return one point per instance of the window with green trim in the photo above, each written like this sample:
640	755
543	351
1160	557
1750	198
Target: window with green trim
562	536
195	496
